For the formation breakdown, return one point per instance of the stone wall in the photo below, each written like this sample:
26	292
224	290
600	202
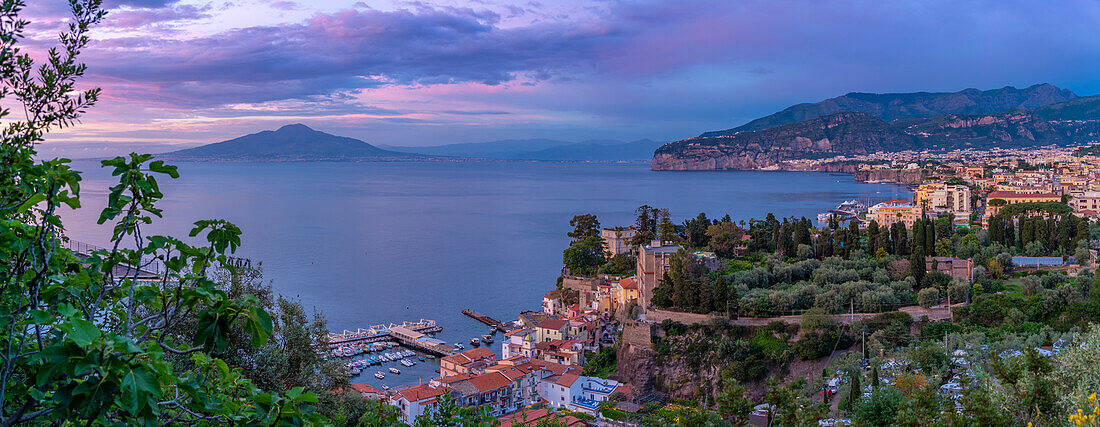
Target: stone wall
658	316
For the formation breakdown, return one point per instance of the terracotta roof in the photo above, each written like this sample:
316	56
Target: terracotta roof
552	324
421	392
512	372
567	379
365	389
470	355
535	416
1018	195
450	379
490	381
628	283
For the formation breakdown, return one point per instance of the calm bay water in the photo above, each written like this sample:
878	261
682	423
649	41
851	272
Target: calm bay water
370	243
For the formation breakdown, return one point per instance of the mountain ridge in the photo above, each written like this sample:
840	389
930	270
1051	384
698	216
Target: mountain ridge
896	106
1076	120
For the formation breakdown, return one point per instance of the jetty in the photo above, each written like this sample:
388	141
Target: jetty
484	319
422	342
382	333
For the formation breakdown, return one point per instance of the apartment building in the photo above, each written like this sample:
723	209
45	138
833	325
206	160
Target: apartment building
617	240
893	211
1013	197
939	197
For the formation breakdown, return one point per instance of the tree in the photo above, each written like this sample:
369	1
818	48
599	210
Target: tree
880	410
585	225
725	238
448	413
584	256
696	231
855	391
720	294
646	224
733	406
82	338
917	267
666	230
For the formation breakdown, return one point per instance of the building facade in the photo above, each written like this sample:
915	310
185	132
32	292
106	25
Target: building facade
894	211
617	240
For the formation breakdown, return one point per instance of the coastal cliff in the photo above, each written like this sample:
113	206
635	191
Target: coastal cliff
797	146
836	134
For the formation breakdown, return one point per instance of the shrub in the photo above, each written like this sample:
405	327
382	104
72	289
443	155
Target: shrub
928	297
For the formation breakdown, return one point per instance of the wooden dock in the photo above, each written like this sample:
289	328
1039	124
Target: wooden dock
381	332
419	341
484	319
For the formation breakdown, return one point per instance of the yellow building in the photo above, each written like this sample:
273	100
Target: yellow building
893	211
944	198
1012	197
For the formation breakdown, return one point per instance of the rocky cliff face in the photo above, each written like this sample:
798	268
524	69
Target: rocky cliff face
841	133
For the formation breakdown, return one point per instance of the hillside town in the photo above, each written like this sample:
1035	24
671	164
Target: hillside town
560	363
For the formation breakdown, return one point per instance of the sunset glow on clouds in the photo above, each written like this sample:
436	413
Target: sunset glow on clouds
421	73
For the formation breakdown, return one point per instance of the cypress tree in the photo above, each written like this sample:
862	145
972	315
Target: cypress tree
929	237
719	298
916	264
1010	233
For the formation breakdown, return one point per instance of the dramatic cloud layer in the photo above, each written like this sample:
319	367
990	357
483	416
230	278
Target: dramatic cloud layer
419	73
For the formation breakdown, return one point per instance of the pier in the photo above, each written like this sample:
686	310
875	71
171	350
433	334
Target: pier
381	332
484	319
419	341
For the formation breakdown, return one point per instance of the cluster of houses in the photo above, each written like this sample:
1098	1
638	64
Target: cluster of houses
1076	182
476	378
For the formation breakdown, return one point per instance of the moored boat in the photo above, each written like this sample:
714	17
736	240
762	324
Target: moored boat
395	370
379	375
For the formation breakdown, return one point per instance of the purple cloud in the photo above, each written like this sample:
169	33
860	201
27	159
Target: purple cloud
662	69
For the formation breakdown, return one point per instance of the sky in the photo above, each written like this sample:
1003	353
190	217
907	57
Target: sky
178	73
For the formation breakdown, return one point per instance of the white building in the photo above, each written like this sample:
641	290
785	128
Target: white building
414	401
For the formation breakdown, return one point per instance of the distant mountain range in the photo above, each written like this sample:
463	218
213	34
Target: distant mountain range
295	142
866	123
543	149
298	142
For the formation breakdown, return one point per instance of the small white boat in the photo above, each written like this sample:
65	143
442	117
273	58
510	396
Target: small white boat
395	370
475	342
379	375
487	338
406	362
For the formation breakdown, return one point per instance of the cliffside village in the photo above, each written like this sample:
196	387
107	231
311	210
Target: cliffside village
542	357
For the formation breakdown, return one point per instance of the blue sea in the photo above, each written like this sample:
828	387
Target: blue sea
370	243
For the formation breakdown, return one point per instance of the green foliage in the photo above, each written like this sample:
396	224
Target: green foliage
817	344
619	265
724	238
448	413
880	410
88	336
585	225
584	256
602	364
